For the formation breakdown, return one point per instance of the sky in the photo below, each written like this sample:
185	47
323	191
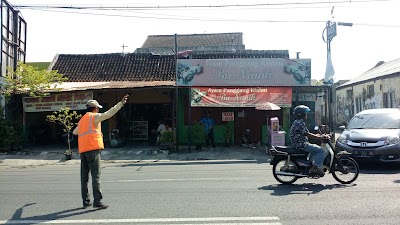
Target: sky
293	25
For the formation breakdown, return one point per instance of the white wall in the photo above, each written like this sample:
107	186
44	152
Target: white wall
345	106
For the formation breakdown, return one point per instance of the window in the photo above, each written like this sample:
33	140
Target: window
388	100
370	89
359	104
349	94
375	121
7	38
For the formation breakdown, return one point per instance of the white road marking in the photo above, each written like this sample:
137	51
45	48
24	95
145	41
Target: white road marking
210	221
191	179
141	180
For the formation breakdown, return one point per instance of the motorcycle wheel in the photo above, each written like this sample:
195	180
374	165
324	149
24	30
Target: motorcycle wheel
281	178
348	173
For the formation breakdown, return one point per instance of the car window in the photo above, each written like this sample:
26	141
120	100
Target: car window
375	121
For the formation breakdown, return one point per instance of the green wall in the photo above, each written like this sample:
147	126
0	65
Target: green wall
219	130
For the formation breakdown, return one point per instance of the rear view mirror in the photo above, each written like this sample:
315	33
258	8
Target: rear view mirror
316	128
342	127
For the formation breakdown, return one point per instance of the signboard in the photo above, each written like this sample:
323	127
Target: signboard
331	31
228	116
75	101
244	72
240	96
305	97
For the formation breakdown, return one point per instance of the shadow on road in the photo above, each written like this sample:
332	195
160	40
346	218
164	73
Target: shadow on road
379	168
51	216
296	189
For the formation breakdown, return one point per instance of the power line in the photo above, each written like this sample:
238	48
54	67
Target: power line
199	6
170	17
189	18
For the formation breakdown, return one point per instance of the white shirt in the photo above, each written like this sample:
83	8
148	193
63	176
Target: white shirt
161	128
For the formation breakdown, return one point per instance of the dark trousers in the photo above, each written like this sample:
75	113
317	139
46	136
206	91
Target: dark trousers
90	161
210	138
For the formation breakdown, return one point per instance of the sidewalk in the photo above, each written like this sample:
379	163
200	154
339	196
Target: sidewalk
54	155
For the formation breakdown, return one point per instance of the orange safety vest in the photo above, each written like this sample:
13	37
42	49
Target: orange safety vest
89	137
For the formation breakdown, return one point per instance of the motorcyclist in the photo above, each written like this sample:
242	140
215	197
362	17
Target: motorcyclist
299	135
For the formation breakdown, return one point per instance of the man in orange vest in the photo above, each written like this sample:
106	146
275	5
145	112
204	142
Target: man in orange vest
90	143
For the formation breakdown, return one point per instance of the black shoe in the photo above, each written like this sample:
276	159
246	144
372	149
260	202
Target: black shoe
85	205
316	170
100	206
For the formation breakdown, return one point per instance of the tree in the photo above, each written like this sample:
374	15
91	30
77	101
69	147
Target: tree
66	118
29	80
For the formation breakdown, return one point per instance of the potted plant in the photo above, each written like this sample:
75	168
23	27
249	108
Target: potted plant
198	135
166	140
228	136
66	118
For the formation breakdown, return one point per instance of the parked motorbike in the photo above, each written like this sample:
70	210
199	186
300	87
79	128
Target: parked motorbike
290	165
116	140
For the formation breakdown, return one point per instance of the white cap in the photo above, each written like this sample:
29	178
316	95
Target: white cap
93	103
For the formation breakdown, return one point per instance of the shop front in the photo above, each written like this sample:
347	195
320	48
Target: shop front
231	89
136	121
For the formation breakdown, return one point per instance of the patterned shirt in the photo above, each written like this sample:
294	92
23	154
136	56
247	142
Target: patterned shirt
298	136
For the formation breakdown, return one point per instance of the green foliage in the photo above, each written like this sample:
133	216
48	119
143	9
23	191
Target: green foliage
228	135
7	134
30	80
10	134
66	118
228	132
198	134
167	137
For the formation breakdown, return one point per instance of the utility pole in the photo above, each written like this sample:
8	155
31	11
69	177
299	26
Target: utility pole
330	30
176	95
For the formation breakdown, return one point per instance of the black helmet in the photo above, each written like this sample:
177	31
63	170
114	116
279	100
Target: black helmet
301	110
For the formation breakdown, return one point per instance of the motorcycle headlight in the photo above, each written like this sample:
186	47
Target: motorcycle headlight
342	139
392	140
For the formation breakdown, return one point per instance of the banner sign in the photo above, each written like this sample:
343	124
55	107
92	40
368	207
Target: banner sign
240	96
53	102
244	72
228	116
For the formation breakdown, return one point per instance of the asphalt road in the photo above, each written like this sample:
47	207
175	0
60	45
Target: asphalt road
217	193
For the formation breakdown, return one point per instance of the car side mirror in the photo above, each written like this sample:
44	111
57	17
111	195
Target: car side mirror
316	128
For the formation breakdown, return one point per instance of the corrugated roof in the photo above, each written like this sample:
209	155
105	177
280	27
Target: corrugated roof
382	69
192	40
240	54
81	86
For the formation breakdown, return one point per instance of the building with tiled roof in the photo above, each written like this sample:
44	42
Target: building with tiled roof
139	66
216	41
115	67
148	75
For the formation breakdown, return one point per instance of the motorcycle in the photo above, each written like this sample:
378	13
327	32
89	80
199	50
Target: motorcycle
290	165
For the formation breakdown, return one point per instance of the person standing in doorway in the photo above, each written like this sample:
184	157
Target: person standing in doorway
208	124
160	130
90	143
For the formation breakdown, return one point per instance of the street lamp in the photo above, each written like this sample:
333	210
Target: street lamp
330	30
